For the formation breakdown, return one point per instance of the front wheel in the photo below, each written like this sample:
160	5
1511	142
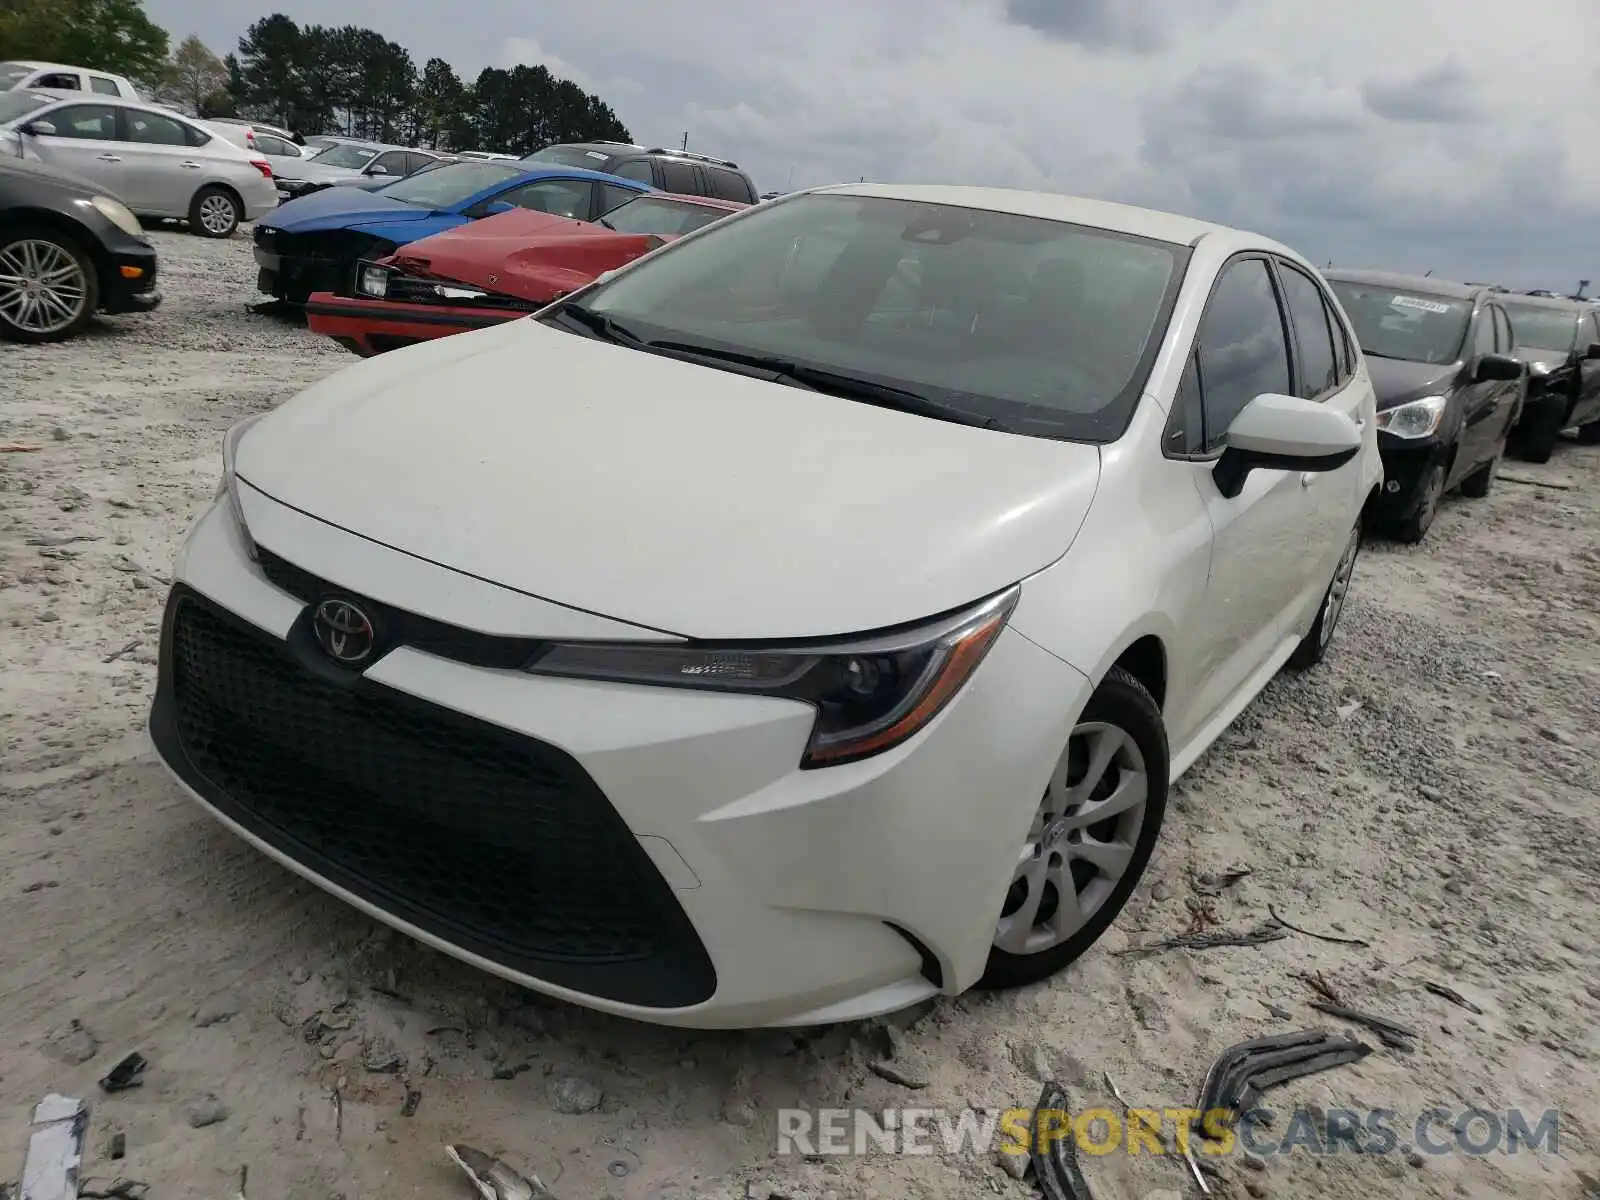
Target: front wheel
48	287
1413	527
1589	434
1091	837
1313	648
1476	486
214	213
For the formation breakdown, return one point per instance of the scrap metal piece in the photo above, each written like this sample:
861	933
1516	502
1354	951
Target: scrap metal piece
55	1149
1055	1167
1391	1034
495	1179
1242	1072
126	1074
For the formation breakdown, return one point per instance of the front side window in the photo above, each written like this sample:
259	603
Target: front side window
393	163
1406	324
1036	326
93	121
61	83
637	169
1241	348
558	197
1590	334
1503	341
1483	333
153	130
1319	370
449	185
1543	328
353	158
656	215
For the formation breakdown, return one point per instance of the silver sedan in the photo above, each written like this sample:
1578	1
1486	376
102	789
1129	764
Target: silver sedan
158	163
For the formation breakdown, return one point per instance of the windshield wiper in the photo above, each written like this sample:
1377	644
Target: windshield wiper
606	223
832	383
599	324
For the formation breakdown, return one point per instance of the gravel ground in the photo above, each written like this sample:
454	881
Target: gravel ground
1430	791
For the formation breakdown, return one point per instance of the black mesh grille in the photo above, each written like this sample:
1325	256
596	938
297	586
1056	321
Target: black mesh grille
497	843
408	629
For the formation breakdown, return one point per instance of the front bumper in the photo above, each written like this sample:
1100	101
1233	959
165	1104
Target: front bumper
371	326
1406	463
118	293
814	896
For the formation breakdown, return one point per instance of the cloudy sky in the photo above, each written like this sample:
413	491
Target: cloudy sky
1454	136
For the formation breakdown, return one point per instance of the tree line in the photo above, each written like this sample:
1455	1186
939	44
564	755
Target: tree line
314	79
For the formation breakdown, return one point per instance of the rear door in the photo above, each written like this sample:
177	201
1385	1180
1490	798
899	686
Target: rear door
85	143
163	170
679	177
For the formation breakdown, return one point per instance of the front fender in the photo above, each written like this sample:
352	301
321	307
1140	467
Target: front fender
403	233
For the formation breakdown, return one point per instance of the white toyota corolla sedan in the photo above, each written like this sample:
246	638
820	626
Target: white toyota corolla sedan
800	621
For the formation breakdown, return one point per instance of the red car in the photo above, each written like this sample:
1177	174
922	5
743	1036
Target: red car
498	269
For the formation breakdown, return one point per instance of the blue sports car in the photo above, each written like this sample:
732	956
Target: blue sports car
312	244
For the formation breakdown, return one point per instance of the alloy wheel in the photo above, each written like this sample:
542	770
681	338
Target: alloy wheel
42	286
1081	842
217	213
1333	605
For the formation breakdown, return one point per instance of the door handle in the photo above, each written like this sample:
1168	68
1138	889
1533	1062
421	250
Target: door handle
193	166
110	158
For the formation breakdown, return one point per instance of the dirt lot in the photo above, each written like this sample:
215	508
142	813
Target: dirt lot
1430	791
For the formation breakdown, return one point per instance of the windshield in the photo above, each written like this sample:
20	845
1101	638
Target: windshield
341	155
14	105
1542	328
12	74
1037	326
1412	325
449	185
650	215
570	156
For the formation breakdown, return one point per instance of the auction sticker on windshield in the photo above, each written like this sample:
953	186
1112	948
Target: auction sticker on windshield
1432	306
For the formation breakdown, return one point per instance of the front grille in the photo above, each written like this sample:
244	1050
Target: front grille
406	628
409	289
499	844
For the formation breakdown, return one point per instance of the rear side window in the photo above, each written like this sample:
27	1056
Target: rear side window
1242	349
1343	355
679	177
106	87
68	83
729	185
1319	371
153	130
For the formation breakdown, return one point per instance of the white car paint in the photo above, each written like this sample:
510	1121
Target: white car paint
523	481
61	77
153	179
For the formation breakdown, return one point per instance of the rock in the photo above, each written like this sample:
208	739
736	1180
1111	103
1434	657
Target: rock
1555	735
1428	792
900	1072
1013	1164
1148	1010
48	616
1161	892
61	434
1032	1060
72	1045
1254	1188
1415	1159
739	1113
574	1096
217	1010
299	976
205	1110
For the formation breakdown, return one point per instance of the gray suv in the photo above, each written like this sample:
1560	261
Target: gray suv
670	170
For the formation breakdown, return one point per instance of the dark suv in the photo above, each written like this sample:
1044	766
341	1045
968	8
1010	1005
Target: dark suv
1559	339
670	170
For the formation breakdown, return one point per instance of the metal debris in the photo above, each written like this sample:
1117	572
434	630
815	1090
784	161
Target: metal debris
495	1179
1455	997
1055	1167
55	1149
129	1073
1242	1072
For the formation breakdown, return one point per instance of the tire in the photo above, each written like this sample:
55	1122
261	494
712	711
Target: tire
214	212
1476	486
1313	648
1538	441
1589	434
1123	711
37	256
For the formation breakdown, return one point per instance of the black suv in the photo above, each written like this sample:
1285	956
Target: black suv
1559	339
670	170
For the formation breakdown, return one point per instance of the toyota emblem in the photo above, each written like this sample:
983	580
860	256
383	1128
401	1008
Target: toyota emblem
344	632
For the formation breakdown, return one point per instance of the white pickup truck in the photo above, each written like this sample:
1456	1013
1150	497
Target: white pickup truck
59	77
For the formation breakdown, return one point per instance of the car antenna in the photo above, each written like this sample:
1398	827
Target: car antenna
1428	272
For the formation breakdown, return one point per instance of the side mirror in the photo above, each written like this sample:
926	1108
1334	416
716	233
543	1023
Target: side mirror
1593	351
1499	368
1284	433
377	170
39	129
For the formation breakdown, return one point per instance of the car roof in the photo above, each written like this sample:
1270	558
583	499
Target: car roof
1561	304
1430	284
701	201
1050	206
113	101
546	170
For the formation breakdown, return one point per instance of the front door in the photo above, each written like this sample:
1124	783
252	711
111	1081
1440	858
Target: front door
1480	400
1588	406
84	144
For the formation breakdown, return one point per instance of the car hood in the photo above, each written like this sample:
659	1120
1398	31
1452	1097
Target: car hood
533	256
1397	380
339	207
1540	361
312	171
682	498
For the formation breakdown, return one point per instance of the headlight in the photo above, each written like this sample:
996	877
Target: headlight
229	484
119	215
870	695
10	143
1418	419
373	281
